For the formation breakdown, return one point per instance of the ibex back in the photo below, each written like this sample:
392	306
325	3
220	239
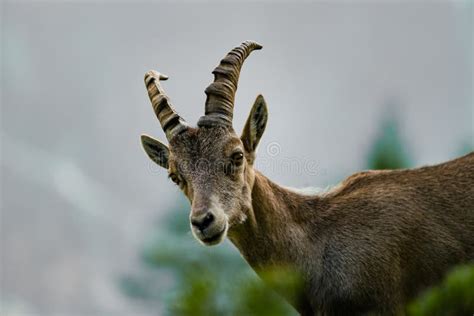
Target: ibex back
369	245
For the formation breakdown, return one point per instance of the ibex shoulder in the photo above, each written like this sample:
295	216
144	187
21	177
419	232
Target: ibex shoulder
456	172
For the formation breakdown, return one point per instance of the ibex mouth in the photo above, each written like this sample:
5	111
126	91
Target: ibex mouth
217	238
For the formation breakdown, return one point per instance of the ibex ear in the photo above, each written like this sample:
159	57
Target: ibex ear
156	150
255	125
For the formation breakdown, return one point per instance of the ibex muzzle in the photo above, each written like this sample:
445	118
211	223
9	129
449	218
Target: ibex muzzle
369	245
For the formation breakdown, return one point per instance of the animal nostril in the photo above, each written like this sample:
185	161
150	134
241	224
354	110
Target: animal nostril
203	222
208	220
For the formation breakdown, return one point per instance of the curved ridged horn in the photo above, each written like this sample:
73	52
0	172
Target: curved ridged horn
170	121
221	93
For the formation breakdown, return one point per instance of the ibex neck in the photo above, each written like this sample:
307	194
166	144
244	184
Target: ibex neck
277	222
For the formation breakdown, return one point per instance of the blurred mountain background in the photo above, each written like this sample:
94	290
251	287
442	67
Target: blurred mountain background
89	226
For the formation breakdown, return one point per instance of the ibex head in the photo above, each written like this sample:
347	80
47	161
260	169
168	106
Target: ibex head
211	164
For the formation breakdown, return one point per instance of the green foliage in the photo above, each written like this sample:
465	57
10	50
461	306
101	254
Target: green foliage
255	298
455	296
388	151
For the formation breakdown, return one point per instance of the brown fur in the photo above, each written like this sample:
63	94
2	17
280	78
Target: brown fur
368	246
371	244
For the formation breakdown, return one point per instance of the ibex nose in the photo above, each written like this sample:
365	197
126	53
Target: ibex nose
202	221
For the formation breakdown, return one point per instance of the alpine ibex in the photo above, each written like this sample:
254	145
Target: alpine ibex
370	244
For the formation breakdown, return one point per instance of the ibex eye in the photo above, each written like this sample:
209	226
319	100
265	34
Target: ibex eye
237	158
